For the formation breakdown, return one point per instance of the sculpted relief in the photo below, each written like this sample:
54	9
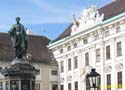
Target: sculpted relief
89	17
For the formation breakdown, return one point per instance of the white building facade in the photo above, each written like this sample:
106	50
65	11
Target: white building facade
95	41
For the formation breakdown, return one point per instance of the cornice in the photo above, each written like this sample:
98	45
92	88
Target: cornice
86	31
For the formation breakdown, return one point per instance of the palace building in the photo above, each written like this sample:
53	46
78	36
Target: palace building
38	55
94	40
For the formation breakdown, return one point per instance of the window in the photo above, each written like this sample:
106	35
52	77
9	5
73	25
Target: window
61	50
0	69
75	45
37	86
7	86
61	87
38	71
87	84
96	36
54	72
62	66
69	64
76	85
69	48
108	52
119	79
106	33
14	84
85	41
119	49
54	87
1	86
108	77
75	62
69	86
86	59
97	55
118	29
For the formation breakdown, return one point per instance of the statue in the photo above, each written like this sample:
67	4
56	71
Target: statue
75	24
75	21
18	39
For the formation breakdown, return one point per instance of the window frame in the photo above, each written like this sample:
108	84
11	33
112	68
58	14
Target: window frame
119	81
61	87
37	86
61	50
75	62
62	66
86	58
68	48
69	64
98	55
75	45
69	86
108	52
76	85
119	48
54	72
106	33
1	85
118	29
108	81
85	41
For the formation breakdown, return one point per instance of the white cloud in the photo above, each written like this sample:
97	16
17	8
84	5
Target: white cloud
47	20
44	5
54	14
41	12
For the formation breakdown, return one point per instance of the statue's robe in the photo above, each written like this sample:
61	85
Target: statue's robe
19	39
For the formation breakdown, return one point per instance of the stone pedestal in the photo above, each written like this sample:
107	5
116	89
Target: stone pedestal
20	75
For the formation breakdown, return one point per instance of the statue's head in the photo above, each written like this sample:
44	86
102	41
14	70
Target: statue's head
18	19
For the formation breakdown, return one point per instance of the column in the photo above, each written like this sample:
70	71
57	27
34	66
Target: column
92	56
123	53
65	73
80	61
102	53
113	72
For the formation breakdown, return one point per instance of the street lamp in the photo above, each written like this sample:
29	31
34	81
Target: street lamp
94	79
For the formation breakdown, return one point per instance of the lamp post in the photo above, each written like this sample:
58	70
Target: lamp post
94	79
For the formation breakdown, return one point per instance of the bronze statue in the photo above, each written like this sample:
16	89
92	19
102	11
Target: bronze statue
18	39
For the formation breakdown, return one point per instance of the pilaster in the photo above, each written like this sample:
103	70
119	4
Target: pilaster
123	53
102	53
113	58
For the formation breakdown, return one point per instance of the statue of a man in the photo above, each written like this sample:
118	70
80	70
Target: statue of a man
19	38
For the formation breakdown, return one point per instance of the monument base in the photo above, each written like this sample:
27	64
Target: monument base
20	60
20	75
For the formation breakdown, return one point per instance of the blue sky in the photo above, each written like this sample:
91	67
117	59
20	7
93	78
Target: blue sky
51	16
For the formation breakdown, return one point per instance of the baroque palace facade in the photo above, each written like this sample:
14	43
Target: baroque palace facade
38	55
94	40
